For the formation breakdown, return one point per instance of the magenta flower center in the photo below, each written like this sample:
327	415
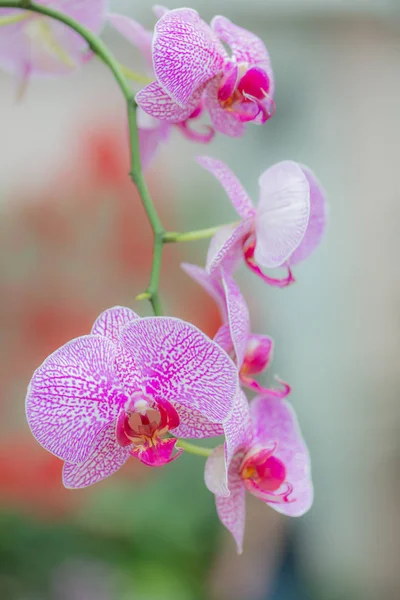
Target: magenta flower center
245	92
264	470
143	423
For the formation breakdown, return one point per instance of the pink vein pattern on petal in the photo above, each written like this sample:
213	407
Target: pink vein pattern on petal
186	53
135	33
215	472
246	47
72	396
110	322
222	119
157	103
226	246
177	362
106	457
238	428
317	221
232	510
194	425
282	213
275	421
231	184
238	316
224	339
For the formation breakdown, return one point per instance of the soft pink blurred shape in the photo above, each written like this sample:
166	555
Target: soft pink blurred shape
285	227
190	61
83	580
271	462
32	44
117	392
152	130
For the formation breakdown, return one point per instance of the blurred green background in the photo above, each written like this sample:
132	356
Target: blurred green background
74	241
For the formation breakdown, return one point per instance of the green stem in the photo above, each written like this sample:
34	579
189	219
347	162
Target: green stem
193	449
136	173
190	236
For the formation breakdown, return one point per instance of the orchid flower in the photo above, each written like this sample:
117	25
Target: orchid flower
285	227
152	130
32	44
251	352
117	392
270	460
191	63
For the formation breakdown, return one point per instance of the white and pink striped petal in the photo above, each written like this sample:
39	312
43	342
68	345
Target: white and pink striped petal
106	456
175	361
186	53
246	47
72	396
156	102
110	322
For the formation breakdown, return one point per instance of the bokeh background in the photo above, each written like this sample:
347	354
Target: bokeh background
74	240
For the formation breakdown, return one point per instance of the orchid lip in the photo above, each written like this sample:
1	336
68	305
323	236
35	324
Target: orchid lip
142	423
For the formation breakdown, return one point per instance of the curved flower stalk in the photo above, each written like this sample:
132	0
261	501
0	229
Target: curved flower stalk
252	352
191	65
152	130
270	461
285	227
32	44
117	392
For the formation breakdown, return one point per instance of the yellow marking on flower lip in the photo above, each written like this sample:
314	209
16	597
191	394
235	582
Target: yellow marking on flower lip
40	30
11	19
248	472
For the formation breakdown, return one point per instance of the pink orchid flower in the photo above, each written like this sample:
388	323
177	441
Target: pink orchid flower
252	352
285	227
270	460
117	392
191	63
153	131
32	44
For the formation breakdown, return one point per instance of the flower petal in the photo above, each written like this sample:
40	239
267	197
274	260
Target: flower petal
72	396
246	47
317	221
43	46
177	362
282	214
110	322
105	458
238	428
238	316
158	454
157	103
211	283
195	425
231	184
232	510
224	339
135	33
186	53
274	421
215	472
226	247
223	119
150	139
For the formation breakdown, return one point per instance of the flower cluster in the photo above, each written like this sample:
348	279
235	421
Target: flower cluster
137	387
